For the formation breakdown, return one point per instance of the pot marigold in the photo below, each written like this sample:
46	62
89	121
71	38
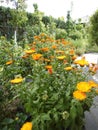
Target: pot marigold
84	86
79	95
36	56
29	51
61	57
81	62
9	62
17	80
68	68
48	66
27	126
92	83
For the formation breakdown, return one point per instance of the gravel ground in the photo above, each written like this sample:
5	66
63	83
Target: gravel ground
91	117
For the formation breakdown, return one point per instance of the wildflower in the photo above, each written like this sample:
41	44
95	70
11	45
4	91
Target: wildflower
92	83
9	62
79	95
71	52
61	57
48	66
27	126
29	51
36	56
60	51
44	49
84	86
68	68
17	80
47	60
54	46
81	62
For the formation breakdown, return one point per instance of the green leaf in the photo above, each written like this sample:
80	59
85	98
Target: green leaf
73	112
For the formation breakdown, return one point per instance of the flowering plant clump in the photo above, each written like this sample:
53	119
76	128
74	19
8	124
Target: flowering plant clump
52	87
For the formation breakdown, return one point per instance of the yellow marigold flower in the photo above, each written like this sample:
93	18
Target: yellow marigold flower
9	62
27	126
92	83
68	68
81	62
79	95
29	51
61	57
47	60
17	80
60	51
36	56
83	86
48	67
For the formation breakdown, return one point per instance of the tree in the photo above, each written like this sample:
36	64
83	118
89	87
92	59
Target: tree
69	24
94	28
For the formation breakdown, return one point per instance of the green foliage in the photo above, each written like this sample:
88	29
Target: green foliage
94	28
60	33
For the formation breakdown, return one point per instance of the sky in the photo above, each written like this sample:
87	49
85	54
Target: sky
59	8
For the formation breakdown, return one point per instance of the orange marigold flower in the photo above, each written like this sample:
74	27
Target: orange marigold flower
9	62
72	52
54	46
36	56
74	57
79	95
17	80
27	126
68	68
92	83
48	66
61	57
84	86
45	49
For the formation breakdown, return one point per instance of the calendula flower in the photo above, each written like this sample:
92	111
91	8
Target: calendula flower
54	46
79	95
84	86
60	51
71	52
17	80
9	62
61	57
27	126
81	62
36	56
45	49
48	66
68	68
29	51
92	83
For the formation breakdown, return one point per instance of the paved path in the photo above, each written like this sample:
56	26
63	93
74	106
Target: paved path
91	117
